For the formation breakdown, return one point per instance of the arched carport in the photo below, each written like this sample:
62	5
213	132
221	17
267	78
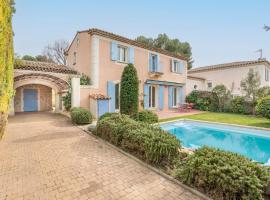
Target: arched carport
39	86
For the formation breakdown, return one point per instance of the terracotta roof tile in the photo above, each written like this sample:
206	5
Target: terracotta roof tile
95	31
44	67
228	65
99	96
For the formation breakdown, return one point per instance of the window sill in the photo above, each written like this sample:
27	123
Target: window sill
155	73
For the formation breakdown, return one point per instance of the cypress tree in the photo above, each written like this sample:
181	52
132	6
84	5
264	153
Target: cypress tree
129	91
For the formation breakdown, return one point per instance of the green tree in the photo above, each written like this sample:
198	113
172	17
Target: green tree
28	57
224	96
129	92
171	45
44	58
6	60
250	85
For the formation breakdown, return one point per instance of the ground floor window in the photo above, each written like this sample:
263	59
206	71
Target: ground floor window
117	96
152	96
174	97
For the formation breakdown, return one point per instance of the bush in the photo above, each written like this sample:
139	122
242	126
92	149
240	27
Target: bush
241	106
147	116
85	80
80	116
223	97
129	92
107	114
203	100
263	107
224	175
144	141
67	101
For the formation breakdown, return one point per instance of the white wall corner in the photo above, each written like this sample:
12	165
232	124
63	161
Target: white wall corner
94	61
75	96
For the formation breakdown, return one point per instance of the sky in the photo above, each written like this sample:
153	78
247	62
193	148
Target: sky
218	31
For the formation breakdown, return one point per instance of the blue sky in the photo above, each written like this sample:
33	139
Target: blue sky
218	31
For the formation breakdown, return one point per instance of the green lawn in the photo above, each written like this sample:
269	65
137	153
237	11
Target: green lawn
246	120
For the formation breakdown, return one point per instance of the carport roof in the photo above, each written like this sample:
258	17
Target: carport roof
44	67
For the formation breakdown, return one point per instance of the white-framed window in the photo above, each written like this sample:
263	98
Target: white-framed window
74	58
209	85
152	96
117	96
175	67
174	97
153	62
266	74
122	53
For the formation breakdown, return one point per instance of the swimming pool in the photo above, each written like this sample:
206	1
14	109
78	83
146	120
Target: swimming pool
252	143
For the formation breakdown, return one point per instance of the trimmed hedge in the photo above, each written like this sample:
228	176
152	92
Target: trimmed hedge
144	141
147	116
80	116
224	175
263	107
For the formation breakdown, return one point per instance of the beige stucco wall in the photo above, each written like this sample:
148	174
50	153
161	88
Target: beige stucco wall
231	77
44	97
191	82
82	49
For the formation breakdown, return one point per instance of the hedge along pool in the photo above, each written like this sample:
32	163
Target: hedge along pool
252	143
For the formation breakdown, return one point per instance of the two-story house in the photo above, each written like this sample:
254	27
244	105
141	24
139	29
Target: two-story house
102	56
228	74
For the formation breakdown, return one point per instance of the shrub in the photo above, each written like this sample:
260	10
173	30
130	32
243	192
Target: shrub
203	100
240	105
263	107
144	141
237	105
151	144
147	116
85	80
107	114
129	92
263	92
112	128
224	175
223	97
80	116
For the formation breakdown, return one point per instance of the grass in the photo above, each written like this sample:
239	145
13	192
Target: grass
246	120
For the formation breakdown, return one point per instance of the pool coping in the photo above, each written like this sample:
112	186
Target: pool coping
218	123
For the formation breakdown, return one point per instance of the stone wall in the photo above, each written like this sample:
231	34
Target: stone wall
44	97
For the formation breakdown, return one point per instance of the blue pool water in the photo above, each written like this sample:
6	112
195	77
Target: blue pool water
252	143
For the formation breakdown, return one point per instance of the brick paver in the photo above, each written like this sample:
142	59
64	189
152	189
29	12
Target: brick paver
42	156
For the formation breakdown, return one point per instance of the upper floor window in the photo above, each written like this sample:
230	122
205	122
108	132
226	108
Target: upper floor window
74	58
153	63
122	53
209	85
266	74
177	66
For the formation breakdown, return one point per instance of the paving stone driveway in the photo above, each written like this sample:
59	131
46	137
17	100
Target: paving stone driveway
42	156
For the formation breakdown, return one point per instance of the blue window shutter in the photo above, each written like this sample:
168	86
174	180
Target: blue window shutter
181	94
146	96
170	93
131	55
161	97
158	67
150	63
111	93
171	65
181	67
114	51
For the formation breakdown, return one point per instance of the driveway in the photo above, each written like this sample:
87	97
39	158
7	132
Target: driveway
42	156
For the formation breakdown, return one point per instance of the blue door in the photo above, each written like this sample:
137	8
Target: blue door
30	100
103	107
